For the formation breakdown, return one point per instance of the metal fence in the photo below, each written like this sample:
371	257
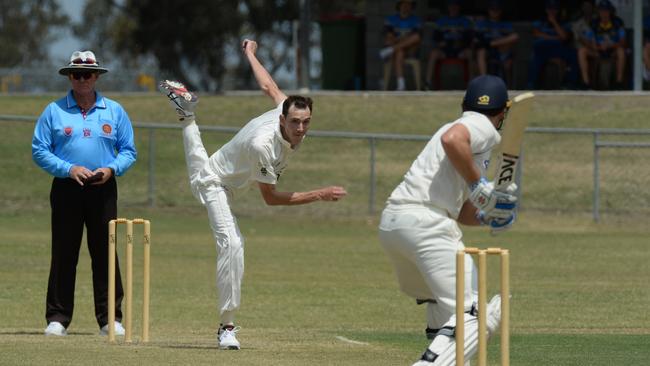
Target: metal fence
565	169
618	176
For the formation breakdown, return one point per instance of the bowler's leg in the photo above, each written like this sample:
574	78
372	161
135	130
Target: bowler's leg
230	252
230	261
195	155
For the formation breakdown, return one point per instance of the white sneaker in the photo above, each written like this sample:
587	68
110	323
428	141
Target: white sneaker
385	52
55	329
119	329
227	339
181	99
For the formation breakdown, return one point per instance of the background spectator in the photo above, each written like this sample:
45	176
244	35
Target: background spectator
607	41
646	48
552	38
452	37
495	39
582	26
402	38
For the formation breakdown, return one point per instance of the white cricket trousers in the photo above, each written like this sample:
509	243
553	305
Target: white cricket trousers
422	242
216	199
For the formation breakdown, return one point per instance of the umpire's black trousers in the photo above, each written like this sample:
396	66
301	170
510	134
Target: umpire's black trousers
74	206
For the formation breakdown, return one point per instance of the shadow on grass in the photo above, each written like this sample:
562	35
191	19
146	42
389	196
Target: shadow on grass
40	332
190	346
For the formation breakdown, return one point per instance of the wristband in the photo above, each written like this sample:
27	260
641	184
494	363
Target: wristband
472	186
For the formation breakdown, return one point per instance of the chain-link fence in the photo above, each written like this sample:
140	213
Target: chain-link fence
587	171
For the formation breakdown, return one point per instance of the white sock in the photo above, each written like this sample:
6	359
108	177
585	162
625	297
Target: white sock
228	318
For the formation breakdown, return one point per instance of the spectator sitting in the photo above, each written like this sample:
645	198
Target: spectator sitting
582	26
646	48
606	40
402	32
552	41
495	41
452	37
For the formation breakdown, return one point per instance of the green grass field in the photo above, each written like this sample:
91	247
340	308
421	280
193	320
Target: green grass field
317	273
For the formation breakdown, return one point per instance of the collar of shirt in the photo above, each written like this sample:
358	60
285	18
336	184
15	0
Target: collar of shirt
99	101
285	143
477	115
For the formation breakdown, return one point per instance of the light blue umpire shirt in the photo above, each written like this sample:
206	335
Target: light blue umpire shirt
100	137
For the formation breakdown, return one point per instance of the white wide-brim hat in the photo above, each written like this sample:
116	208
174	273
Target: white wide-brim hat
82	61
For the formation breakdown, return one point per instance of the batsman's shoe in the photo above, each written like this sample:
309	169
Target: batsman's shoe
55	329
119	329
227	339
181	99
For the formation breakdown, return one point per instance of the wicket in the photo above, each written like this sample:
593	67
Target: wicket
482	304
128	291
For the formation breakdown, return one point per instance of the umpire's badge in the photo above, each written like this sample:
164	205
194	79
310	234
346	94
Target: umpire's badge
264	171
107	129
484	100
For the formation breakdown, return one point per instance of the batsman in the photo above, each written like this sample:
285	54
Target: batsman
445	186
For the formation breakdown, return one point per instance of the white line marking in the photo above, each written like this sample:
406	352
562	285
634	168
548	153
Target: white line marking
347	340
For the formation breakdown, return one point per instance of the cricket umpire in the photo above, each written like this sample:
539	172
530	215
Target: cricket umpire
84	140
444	186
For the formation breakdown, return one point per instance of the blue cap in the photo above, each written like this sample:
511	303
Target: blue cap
486	92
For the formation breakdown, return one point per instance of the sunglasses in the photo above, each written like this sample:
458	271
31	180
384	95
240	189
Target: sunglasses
86	75
87	61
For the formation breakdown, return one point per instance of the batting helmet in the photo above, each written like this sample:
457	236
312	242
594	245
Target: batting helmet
486	92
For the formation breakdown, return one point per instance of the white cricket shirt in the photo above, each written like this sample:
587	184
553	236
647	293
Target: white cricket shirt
258	152
432	180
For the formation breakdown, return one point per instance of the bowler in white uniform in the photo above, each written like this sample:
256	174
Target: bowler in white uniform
445	186
258	154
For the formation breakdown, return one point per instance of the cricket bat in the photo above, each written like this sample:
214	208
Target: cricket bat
511	138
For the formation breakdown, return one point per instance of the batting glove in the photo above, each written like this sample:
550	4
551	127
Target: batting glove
182	100
493	203
501	225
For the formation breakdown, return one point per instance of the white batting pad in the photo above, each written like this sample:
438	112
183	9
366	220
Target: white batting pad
445	347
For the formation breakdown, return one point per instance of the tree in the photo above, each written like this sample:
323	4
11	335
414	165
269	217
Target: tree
25	30
188	39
